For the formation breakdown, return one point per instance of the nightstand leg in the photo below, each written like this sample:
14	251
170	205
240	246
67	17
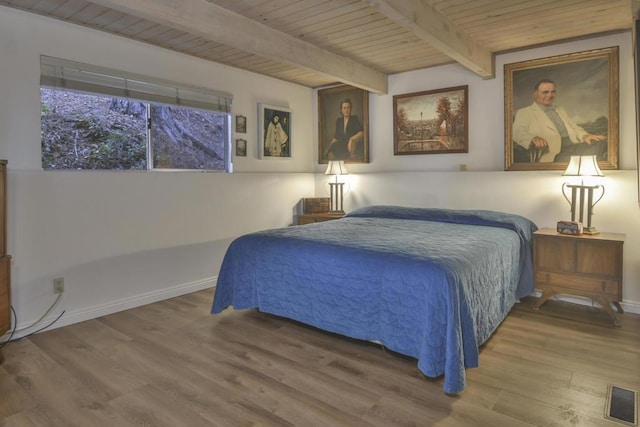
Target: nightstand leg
606	306
1	357
618	307
603	301
546	294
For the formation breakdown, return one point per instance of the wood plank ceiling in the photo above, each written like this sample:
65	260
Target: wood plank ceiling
317	43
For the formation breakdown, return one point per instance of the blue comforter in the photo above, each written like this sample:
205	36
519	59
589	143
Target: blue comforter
433	284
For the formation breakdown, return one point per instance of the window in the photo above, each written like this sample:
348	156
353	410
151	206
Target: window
97	118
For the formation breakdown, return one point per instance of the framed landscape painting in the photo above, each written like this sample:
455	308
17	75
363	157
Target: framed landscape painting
431	122
561	106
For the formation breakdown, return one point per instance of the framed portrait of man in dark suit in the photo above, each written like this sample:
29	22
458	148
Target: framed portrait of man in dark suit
343	124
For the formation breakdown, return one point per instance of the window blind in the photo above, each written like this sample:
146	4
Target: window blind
60	73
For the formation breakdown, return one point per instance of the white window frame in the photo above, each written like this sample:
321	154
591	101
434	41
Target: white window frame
75	76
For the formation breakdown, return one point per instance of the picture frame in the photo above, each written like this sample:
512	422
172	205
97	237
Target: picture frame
241	124
274	132
431	122
241	147
333	136
584	86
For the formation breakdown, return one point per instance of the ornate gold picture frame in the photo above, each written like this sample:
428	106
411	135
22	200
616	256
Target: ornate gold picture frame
340	138
431	122
561	106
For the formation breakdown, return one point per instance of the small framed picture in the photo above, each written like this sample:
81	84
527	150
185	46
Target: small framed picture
241	124
241	147
274	132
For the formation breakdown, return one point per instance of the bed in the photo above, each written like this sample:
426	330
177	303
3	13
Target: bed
433	284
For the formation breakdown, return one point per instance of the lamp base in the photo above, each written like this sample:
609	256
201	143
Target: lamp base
335	201
590	230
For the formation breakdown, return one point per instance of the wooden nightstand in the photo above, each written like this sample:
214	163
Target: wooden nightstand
587	265
309	218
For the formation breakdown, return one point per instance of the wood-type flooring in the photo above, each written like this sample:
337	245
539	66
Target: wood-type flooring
172	363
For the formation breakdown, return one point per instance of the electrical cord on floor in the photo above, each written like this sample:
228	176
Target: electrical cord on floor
15	323
41	329
53	304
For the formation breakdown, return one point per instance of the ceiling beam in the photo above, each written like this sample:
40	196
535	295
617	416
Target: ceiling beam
436	29
214	23
635	9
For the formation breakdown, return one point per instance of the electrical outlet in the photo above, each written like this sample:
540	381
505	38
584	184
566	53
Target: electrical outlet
58	285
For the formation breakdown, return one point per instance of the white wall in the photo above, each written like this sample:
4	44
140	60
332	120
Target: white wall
435	180
125	238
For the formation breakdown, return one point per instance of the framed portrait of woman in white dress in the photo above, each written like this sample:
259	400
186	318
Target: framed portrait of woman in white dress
274	132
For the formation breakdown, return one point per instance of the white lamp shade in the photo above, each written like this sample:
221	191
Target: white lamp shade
336	167
583	166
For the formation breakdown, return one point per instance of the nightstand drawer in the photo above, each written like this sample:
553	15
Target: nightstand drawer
318	217
582	284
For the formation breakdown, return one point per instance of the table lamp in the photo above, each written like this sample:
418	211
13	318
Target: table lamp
583	167
336	167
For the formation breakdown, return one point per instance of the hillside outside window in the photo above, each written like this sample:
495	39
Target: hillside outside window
100	119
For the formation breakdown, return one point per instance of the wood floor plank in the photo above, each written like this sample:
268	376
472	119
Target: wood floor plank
55	392
303	378
151	406
567	364
172	363
295	394
16	401
168	372
95	371
283	401
39	416
98	335
535	412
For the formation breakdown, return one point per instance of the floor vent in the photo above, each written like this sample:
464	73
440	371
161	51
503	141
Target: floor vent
622	405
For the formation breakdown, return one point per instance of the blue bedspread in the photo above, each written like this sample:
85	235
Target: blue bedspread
433	284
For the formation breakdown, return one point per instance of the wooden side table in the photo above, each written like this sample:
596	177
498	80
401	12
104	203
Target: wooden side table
587	265
309	218
5	259
5	297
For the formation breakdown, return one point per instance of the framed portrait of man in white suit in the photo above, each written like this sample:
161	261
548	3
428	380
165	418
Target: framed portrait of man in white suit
562	106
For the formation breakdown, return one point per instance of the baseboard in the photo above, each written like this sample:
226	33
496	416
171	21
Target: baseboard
627	306
69	318
631	307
